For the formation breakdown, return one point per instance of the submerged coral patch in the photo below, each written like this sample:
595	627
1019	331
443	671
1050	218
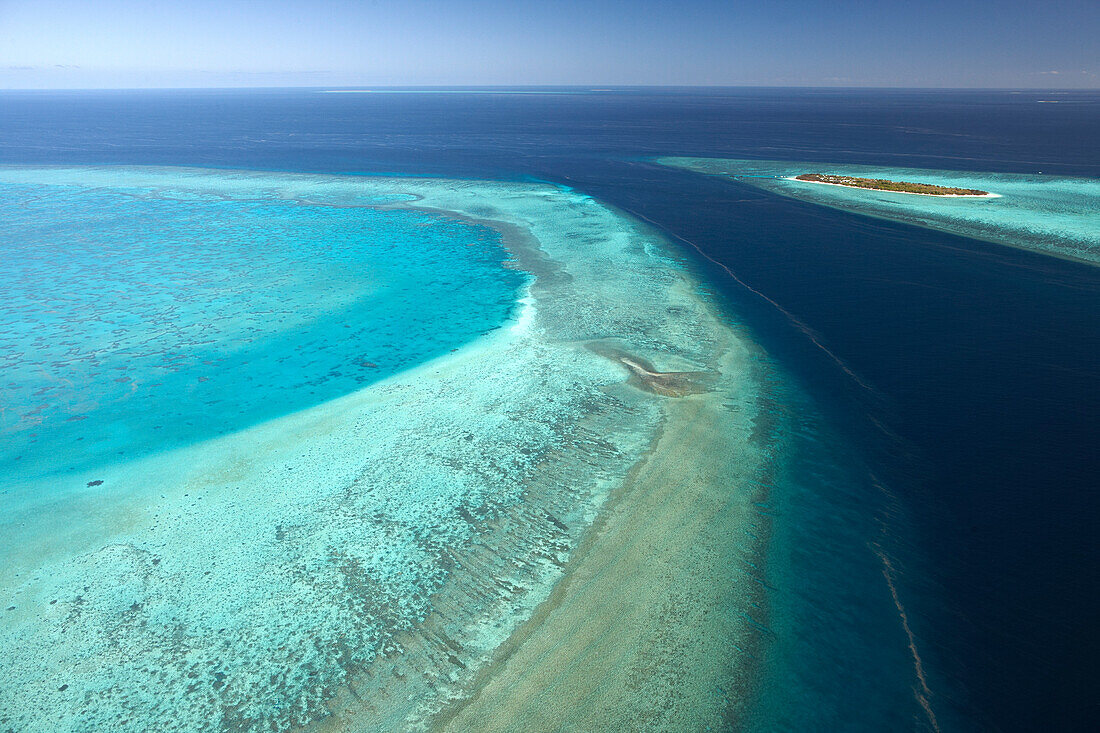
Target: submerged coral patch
368	561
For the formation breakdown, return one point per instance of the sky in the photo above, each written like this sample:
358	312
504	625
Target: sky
333	43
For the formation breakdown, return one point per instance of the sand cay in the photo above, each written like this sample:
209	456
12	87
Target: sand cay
645	376
560	525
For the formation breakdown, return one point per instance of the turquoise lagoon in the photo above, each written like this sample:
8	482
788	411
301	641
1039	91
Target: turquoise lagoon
298	450
139	318
1053	215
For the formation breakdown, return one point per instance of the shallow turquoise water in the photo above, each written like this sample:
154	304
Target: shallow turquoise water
138	319
1049	214
369	540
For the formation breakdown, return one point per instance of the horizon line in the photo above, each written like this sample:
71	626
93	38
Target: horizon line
544	88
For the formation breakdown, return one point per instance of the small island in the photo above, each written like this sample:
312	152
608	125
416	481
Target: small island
881	184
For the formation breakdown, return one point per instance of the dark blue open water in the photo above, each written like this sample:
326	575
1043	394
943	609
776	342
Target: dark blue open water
976	425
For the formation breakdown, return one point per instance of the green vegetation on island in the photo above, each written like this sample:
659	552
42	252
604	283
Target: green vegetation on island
881	184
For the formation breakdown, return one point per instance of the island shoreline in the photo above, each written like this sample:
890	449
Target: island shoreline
989	195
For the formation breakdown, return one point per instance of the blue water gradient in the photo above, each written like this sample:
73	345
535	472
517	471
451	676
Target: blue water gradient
138	319
964	449
365	555
1053	215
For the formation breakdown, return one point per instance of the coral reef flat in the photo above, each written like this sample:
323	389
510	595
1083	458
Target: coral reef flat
1052	215
472	538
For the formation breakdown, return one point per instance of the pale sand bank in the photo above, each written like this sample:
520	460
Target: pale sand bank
643	631
659	610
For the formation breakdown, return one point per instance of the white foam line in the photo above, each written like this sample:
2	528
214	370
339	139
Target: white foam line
794	320
522	322
924	694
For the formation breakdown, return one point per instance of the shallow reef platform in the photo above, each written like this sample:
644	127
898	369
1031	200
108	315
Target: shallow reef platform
558	524
1052	215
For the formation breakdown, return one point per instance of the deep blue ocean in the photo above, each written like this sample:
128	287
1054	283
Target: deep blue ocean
970	410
